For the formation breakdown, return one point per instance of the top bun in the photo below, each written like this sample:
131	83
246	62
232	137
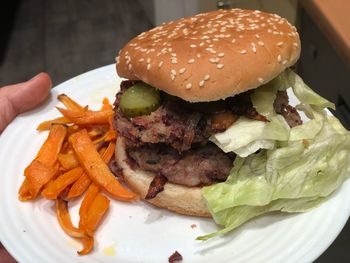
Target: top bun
213	55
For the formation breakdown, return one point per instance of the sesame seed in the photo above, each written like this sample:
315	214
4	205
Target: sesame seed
160	64
141	59
148	66
257	36
285	62
129	66
243	51
190	61
221	54
260	43
201	83
253	47
261	80
182	70
206	77
198	55
172	77
173	71
148	60
295	44
193	46
188	86
214	60
219	66
279	59
233	40
201	44
279	44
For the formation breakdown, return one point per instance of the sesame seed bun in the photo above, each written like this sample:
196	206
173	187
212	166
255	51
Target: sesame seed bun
213	55
177	198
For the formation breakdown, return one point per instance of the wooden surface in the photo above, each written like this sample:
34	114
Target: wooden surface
333	18
68	37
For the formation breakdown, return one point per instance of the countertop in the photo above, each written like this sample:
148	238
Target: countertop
333	19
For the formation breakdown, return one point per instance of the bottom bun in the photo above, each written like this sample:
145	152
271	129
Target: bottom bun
177	198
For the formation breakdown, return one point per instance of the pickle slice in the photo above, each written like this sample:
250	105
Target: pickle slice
140	99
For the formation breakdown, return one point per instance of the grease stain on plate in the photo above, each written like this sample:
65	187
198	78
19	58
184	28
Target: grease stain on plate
109	251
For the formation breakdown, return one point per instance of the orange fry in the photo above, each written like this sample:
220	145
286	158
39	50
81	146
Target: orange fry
88	243
108	153
37	175
87	117
68	160
96	168
54	188
106	105
53	144
97	210
110	135
24	191
70	103
46	125
65	220
89	197
80	186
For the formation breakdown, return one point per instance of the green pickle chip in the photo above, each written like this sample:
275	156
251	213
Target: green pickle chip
140	99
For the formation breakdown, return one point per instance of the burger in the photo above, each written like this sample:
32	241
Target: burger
205	125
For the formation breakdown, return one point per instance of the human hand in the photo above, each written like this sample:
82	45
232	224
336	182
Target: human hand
18	98
15	99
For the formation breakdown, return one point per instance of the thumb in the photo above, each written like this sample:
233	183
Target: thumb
18	98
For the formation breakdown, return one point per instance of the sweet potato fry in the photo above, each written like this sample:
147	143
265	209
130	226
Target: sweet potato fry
88	245
46	125
70	103
37	175
68	160
24	192
65	220
54	188
106	105
110	135
108	153
89	197
97	131
80	186
97	210
86	117
52	146
96	168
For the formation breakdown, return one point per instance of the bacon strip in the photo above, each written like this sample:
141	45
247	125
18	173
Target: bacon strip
156	186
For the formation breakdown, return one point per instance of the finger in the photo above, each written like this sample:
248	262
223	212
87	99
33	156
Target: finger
27	95
18	98
5	256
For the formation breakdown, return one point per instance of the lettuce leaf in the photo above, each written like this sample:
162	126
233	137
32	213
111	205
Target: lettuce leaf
247	136
296	170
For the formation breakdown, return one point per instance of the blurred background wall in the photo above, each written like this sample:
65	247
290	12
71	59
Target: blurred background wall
69	37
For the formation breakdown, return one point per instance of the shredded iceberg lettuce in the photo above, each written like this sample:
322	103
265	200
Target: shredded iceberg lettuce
297	168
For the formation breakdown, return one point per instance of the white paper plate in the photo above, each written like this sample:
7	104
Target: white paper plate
138	232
